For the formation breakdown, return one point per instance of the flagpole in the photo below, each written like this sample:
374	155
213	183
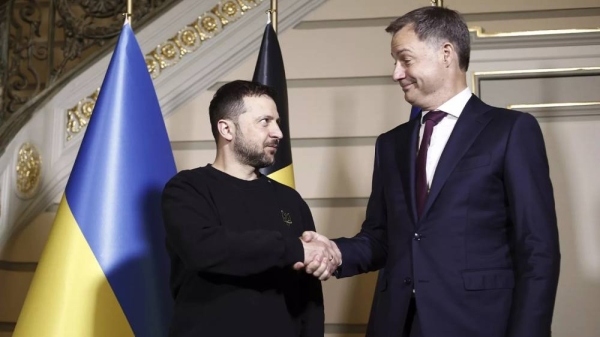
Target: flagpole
273	12
437	3
129	13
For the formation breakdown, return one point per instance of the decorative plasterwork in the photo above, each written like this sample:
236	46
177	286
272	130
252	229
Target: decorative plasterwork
191	36
28	171
170	52
79	115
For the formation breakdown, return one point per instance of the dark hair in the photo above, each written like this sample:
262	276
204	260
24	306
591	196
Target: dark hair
228	101
441	24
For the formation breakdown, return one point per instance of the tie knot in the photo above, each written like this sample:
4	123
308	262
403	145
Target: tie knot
435	116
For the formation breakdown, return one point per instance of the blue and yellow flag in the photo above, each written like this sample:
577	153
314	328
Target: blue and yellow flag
104	270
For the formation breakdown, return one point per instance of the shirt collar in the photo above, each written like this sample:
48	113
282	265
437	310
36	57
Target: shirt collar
455	105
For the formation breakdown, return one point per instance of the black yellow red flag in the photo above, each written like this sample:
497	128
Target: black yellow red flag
270	71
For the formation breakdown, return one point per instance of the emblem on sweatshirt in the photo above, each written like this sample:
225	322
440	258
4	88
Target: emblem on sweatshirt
287	218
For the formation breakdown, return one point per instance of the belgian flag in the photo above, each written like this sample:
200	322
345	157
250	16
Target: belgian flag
270	71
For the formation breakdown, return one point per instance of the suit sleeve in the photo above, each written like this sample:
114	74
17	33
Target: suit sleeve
536	252
367	251
194	232
313	321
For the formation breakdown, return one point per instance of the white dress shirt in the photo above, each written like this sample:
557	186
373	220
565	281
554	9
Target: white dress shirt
441	132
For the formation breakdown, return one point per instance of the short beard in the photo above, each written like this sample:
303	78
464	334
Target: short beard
248	155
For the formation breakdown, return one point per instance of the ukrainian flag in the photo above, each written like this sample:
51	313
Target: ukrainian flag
104	270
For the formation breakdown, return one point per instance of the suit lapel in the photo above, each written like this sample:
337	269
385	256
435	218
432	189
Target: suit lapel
407	156
470	123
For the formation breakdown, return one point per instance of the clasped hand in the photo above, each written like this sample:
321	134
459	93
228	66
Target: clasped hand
321	256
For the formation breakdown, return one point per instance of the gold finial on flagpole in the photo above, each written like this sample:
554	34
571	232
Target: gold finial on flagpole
437	3
129	13
273	12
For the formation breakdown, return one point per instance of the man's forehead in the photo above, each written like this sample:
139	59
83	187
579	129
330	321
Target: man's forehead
406	33
406	41
263	105
259	100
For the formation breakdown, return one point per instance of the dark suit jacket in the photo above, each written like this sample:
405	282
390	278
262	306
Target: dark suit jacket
484	257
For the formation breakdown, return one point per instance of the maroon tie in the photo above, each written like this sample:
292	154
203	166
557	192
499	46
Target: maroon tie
431	119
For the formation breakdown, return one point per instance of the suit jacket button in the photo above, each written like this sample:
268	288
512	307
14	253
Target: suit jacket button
408	280
417	237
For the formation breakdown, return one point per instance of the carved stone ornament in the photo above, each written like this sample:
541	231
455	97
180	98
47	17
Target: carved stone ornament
29	171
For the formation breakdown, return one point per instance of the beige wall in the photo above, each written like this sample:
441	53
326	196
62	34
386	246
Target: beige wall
341	97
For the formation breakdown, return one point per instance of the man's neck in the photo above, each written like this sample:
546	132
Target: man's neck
444	97
447	93
234	168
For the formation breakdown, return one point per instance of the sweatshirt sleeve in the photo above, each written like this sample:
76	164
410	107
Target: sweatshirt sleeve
313	322
194	233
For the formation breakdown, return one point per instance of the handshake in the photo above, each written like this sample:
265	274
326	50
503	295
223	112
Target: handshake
321	256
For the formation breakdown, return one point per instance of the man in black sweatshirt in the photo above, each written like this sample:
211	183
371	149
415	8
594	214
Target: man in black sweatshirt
233	234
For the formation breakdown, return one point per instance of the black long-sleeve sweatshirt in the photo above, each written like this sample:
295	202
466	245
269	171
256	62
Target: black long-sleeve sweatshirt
232	245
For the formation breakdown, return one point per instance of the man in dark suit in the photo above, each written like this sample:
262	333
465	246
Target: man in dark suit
461	212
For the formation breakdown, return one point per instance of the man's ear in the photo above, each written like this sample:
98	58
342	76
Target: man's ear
449	54
226	129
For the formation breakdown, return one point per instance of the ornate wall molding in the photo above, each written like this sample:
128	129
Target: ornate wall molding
28	171
47	39
482	34
480	39
79	116
44	43
191	37
563	109
478	76
170	52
